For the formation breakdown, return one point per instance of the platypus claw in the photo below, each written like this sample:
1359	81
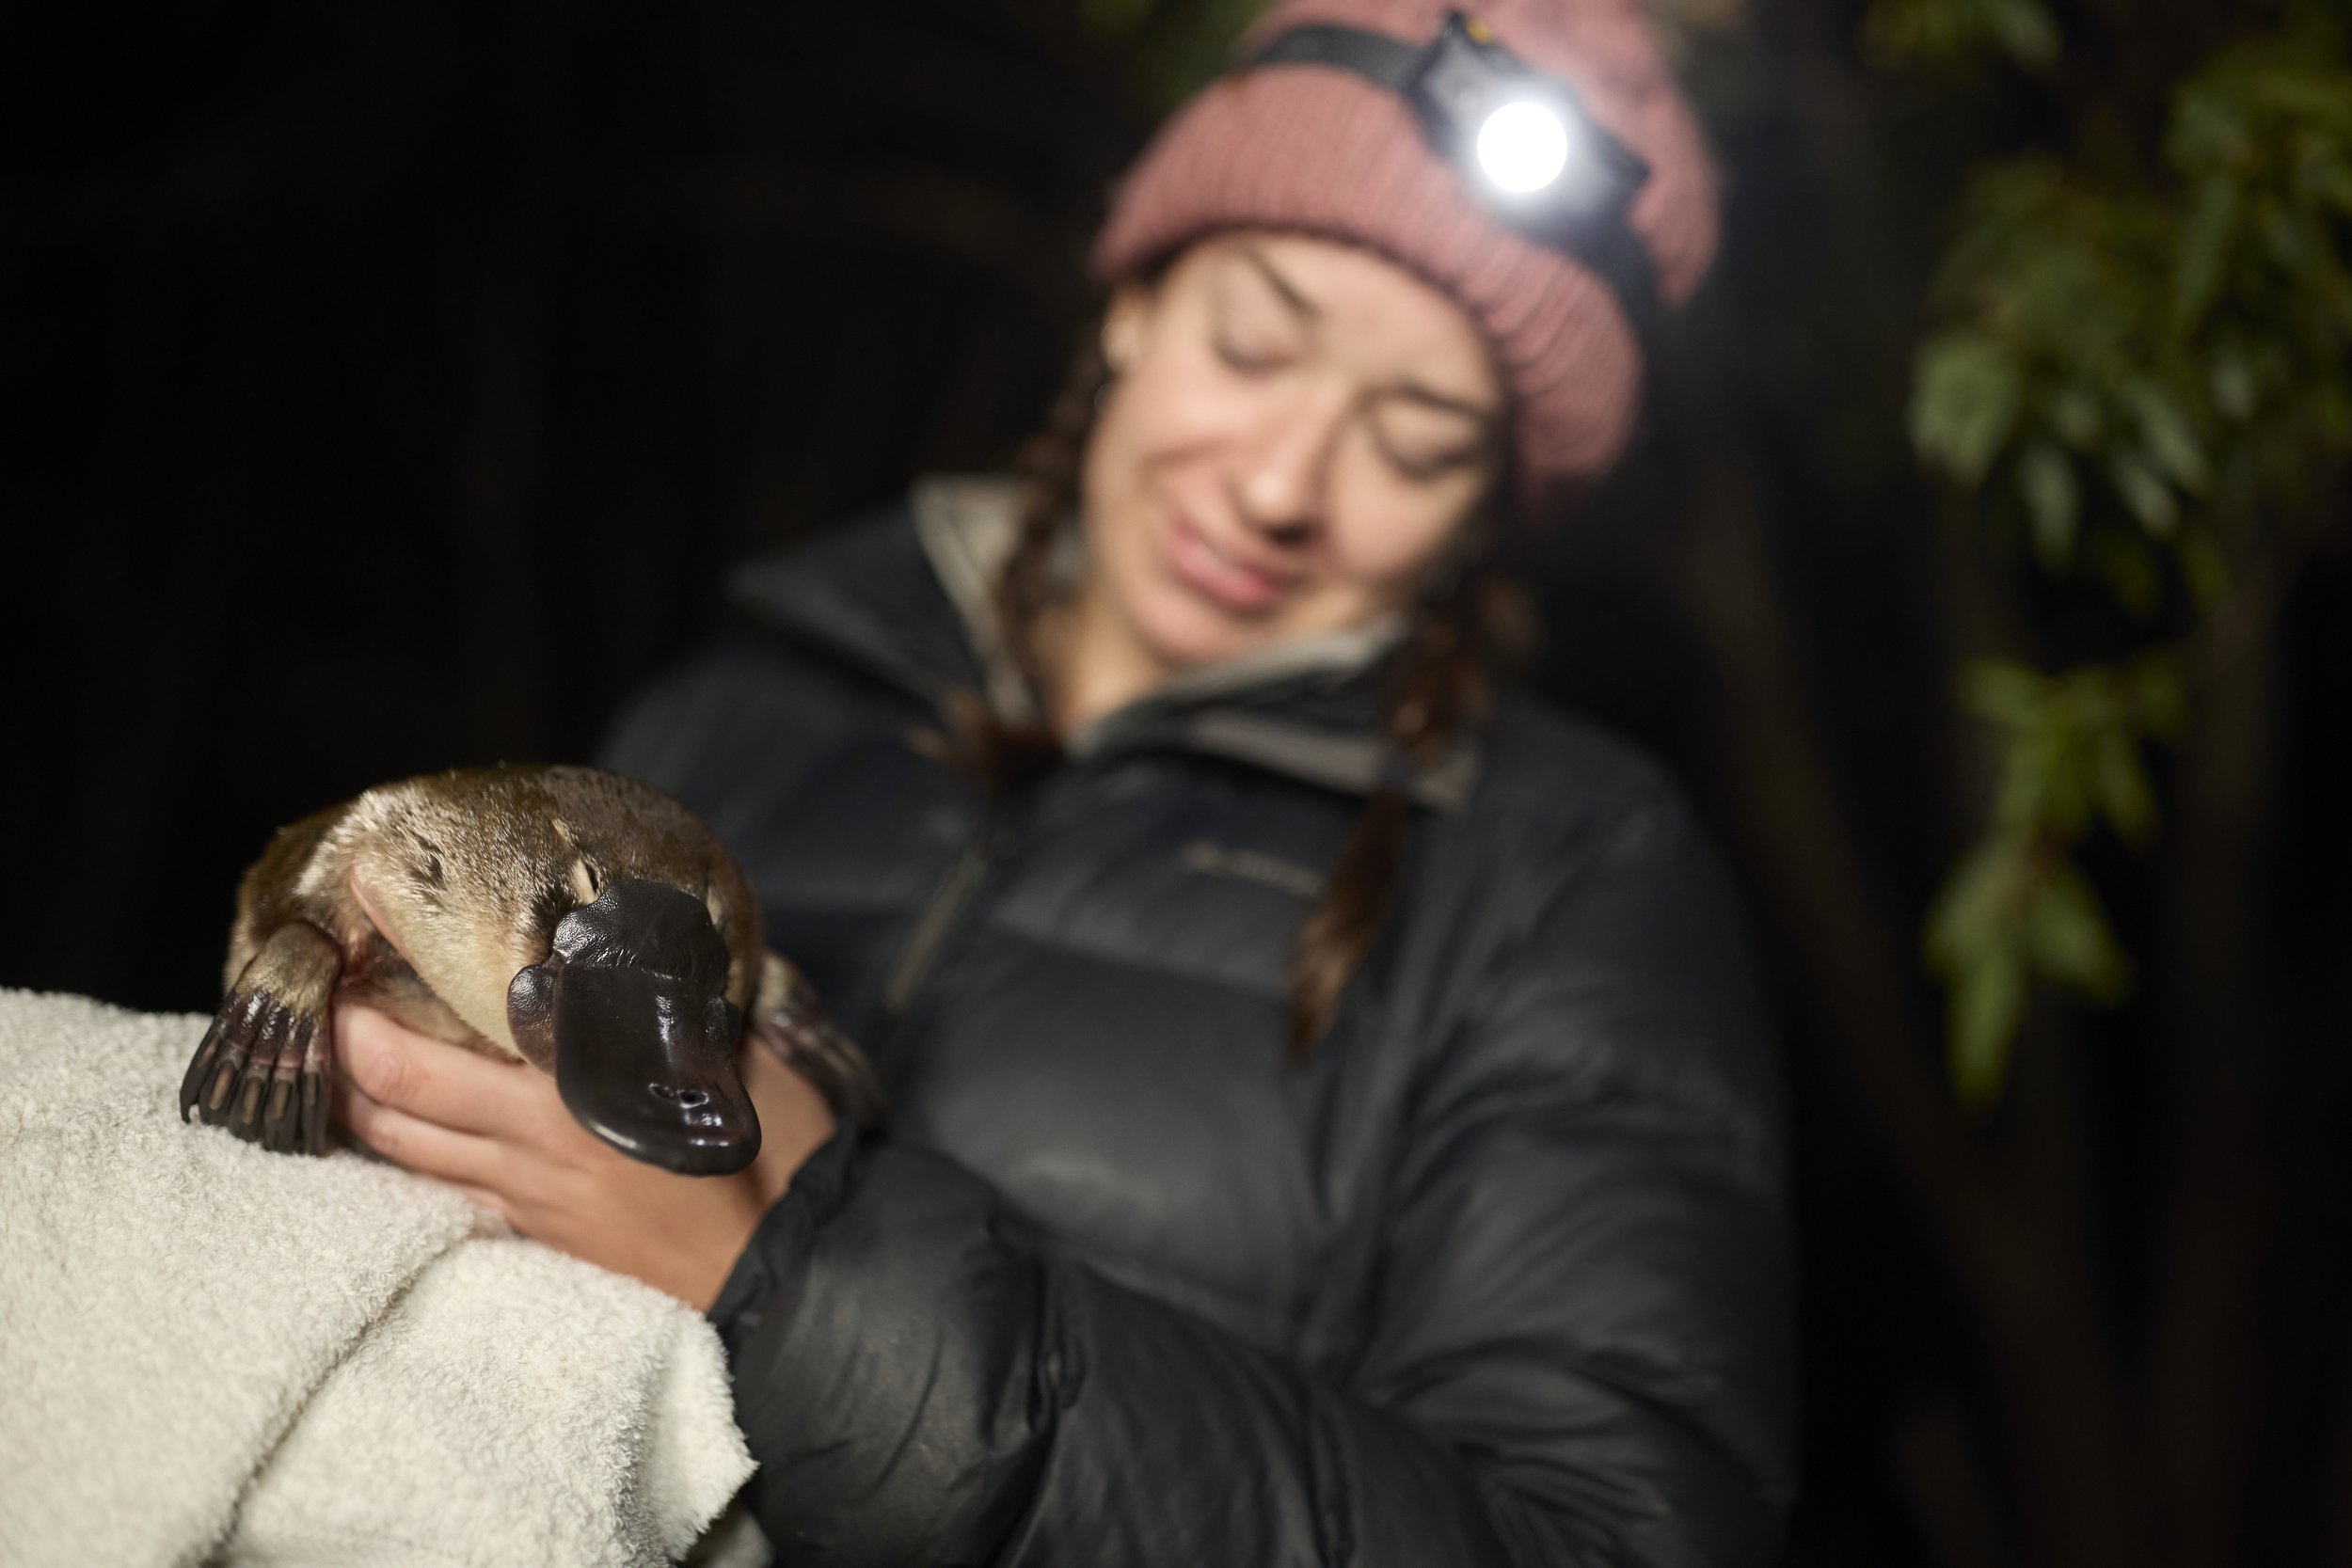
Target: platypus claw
260	1071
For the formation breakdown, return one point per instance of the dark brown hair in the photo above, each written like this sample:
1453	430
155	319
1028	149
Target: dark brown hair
1437	685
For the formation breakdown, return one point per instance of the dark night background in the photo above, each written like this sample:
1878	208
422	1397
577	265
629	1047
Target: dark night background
389	383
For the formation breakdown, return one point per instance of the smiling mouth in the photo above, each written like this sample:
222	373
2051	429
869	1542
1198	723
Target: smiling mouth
1216	575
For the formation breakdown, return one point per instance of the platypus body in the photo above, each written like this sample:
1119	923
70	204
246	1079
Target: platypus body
578	920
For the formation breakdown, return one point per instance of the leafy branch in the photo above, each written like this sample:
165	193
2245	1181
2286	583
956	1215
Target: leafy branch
2142	381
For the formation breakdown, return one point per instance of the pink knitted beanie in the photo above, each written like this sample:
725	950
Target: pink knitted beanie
1319	151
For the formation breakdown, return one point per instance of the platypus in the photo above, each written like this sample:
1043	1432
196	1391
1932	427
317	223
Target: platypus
580	920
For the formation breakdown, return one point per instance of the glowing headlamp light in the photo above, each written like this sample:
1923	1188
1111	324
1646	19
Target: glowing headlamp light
1523	139
1522	146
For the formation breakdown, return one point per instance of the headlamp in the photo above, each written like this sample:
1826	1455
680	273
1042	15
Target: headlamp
1521	139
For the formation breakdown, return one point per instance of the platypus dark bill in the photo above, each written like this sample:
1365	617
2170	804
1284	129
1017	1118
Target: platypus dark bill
649	1068
630	1011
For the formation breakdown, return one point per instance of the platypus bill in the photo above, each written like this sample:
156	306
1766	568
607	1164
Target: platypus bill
578	920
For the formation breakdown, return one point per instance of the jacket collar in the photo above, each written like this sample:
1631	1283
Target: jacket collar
907	597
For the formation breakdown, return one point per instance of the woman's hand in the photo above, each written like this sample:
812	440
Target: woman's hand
498	1131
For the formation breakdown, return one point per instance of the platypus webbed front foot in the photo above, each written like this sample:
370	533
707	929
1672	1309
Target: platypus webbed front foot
260	1069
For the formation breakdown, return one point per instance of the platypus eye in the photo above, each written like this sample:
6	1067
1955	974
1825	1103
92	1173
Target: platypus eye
587	882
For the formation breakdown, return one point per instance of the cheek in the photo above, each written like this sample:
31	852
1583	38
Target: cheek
1125	431
1175	405
1157	423
1389	539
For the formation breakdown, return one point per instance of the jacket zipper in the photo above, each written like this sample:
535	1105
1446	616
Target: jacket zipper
941	914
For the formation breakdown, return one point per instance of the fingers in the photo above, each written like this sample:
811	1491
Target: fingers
432	1079
427	1148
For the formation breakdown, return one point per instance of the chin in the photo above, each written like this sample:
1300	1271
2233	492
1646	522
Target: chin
1184	632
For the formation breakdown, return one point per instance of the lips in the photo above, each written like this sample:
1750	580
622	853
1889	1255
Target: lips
1217	576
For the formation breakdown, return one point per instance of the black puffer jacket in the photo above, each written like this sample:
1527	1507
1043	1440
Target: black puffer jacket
1500	1276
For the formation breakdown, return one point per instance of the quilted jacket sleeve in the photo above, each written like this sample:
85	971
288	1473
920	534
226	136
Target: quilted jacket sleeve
1582	1351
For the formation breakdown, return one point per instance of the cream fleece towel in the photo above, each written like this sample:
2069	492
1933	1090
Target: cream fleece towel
210	1354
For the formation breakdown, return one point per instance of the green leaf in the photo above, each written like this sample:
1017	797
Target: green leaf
2024	28
2298	92
2326	180
2292	243
2121	784
2235	389
1965	398
2206	131
1988	1000
1977	903
2165	425
2145	495
2032	775
2066	936
2093	700
2065	802
2045	476
2075	414
2004	692
2206	230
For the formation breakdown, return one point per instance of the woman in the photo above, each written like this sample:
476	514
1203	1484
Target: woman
1331	1119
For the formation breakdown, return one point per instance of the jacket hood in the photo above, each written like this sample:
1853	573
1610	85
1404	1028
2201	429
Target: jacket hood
906	596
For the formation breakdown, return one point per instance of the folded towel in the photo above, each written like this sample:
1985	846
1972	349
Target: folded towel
209	1353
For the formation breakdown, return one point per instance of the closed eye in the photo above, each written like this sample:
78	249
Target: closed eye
1424	434
1246	360
1431	467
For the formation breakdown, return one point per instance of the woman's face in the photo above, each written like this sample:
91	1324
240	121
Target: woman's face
1297	431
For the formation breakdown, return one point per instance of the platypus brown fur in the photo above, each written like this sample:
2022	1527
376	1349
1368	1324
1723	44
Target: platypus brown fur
578	920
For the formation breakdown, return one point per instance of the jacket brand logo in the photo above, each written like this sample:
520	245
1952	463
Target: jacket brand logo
1221	859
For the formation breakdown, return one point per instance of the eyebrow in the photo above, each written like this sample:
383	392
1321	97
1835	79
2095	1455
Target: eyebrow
1308	309
1283	286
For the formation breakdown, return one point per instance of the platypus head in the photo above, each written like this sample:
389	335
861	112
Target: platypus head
630	1012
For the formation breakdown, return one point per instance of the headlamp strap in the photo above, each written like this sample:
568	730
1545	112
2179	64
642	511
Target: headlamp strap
1441	80
1391	62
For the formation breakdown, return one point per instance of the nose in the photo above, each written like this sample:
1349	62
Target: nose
1282	480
